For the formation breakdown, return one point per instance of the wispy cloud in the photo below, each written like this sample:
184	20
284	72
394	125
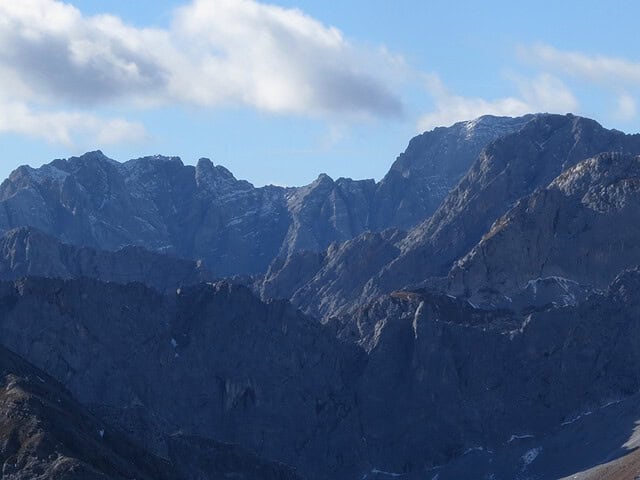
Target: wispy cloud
544	93
594	68
67	128
618	76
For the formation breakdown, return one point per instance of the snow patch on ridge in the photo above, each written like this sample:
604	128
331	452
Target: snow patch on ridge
530	456
515	437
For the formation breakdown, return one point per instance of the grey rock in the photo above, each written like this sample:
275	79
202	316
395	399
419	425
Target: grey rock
198	458
589	446
156	202
486	370
462	377
25	251
583	229
326	211
432	165
507	170
329	283
440	377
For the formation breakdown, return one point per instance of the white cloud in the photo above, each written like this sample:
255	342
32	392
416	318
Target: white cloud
618	76
595	68
544	93
67	128
216	52
626	107
278	60
57	55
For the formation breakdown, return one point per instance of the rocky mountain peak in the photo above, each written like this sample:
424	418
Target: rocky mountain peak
90	162
217	179
322	178
433	163
321	185
322	181
55	173
488	127
432	152
515	165
145	169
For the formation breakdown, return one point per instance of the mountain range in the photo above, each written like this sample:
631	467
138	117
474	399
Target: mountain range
472	315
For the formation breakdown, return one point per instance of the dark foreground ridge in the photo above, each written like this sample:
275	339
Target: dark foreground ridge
46	434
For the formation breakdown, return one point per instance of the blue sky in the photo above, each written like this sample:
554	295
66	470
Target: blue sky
281	91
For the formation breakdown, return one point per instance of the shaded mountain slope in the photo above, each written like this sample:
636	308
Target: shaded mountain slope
462	378
45	434
210	360
600	443
25	251
440	376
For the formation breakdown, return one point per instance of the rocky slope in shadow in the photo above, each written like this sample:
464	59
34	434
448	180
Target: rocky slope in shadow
211	361
26	251
599	443
463	378
46	434
439	376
